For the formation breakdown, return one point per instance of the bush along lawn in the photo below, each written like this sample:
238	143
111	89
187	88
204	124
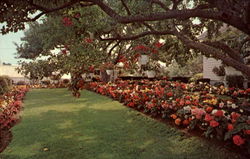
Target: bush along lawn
220	113
10	107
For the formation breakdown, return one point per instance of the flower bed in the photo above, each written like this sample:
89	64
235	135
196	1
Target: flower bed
10	106
219	112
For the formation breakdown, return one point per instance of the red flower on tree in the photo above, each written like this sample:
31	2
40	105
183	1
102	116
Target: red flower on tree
158	44
67	21
88	40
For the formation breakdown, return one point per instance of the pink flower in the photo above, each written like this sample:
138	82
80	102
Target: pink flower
214	123
238	140
198	113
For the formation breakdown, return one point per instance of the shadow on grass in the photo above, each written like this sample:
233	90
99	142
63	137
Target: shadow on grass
97	127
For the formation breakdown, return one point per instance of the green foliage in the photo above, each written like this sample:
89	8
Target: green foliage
5	84
235	81
189	68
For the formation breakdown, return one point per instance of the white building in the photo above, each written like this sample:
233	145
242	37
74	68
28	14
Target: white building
10	70
210	63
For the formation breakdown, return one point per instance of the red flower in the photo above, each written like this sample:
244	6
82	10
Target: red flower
238	140
247	132
67	21
131	104
230	127
88	40
219	113
141	48
188	102
208	117
209	109
64	51
77	15
91	68
170	94
248	90
188	97
214	123
154	51
234	116
158	44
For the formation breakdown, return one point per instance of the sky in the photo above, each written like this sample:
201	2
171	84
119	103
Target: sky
7	47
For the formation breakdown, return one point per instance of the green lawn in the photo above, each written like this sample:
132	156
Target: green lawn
93	127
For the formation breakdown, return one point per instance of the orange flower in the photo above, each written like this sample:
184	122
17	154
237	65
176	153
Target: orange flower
177	121
185	122
209	109
173	116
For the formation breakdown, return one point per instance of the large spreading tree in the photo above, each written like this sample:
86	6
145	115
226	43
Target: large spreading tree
127	20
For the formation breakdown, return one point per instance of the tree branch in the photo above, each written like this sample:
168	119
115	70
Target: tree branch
126	7
225	48
110	51
162	5
216	53
177	14
134	37
49	10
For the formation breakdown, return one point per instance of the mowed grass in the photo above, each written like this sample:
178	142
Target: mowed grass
56	125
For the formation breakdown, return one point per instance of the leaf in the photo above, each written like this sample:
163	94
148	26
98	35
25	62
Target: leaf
208	132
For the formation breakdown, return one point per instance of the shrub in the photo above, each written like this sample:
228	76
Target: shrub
218	84
21	83
46	82
5	84
181	79
235	81
65	81
196	77
204	80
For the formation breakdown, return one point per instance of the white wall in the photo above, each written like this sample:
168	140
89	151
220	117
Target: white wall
8	70
208	65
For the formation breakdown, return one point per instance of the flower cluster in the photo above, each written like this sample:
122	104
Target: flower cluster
10	106
217	111
67	21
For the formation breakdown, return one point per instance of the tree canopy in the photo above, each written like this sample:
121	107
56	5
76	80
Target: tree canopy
182	21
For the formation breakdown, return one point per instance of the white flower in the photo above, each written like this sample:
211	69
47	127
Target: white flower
241	110
234	106
187	108
214	111
221	105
